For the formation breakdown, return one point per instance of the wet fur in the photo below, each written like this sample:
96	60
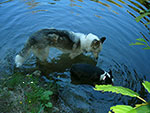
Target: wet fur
68	42
89	74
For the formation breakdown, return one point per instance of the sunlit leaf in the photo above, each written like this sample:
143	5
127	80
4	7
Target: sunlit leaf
141	109
116	89
146	84
121	108
146	48
137	43
141	16
141	39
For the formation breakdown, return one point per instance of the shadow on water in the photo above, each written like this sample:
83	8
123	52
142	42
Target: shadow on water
64	63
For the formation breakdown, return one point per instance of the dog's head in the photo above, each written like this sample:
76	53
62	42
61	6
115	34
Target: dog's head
95	44
107	78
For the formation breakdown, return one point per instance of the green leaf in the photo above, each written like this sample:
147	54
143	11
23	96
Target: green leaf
116	89
41	109
121	108
46	94
142	40
141	109
147	23
137	43
147	47
146	84
141	16
49	105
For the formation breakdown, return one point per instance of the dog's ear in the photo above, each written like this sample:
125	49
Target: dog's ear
96	43
102	39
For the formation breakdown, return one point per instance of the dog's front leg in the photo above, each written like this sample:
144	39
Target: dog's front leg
74	54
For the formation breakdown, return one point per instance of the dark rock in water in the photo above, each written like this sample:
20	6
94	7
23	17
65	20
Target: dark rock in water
89	74
81	99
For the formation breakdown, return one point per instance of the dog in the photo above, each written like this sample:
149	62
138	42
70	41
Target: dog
89	74
66	41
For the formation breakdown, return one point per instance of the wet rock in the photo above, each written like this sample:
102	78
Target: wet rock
80	98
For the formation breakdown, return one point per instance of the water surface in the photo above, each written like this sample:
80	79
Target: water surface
114	19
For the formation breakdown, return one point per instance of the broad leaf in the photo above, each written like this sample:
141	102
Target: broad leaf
116	89
121	108
141	109
49	105
137	43
146	85
46	94
141	16
146	48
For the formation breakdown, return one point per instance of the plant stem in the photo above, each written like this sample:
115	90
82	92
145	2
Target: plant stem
141	98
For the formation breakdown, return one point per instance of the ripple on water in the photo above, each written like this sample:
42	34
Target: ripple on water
129	64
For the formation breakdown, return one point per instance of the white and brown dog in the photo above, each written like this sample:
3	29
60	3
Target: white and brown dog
69	42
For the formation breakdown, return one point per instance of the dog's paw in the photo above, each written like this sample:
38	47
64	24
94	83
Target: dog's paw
19	60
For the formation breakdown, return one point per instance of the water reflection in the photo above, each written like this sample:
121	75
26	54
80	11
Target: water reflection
136	5
101	3
115	3
6	1
31	3
133	6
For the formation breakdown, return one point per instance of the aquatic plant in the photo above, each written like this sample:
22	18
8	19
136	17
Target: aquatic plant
139	108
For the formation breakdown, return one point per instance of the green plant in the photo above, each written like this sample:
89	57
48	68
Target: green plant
28	93
38	96
145	13
141	41
139	108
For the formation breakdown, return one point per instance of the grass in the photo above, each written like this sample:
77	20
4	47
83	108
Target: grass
25	93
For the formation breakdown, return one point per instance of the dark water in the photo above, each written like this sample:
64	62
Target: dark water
114	19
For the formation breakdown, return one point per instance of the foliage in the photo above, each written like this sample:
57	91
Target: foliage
144	14
143	42
139	108
26	93
116	89
141	16
147	85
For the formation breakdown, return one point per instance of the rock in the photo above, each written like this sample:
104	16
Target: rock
80	98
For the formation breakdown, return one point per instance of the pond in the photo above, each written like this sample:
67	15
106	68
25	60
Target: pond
114	19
